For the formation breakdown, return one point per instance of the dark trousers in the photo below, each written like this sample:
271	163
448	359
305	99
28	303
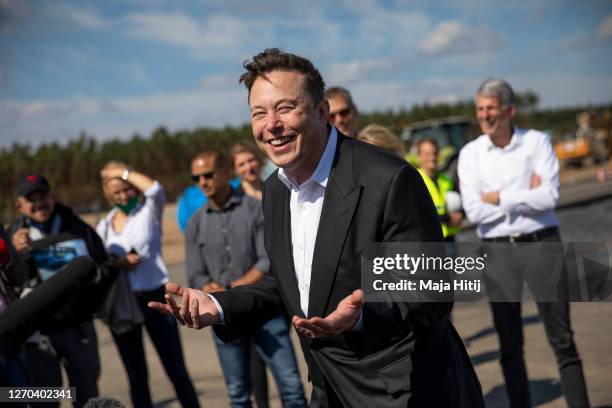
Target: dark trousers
556	319
77	350
164	334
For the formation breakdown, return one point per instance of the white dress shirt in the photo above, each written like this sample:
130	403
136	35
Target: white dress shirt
306	203
142	232
484	167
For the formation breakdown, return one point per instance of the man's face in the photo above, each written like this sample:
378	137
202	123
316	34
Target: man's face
38	205
211	180
428	157
246	166
287	126
343	115
494	120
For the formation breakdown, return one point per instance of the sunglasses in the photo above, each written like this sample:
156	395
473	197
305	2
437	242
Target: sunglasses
342	113
207	176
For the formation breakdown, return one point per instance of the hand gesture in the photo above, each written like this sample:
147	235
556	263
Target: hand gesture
21	240
111	173
340	320
196	309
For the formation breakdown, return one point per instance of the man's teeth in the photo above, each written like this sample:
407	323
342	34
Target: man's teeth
279	141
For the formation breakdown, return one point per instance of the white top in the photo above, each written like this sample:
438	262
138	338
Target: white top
306	203
484	167
142	232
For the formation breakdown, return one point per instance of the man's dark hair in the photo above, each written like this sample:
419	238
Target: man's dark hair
273	59
336	91
220	158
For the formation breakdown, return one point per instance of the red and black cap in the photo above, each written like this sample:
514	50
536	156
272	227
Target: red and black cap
30	183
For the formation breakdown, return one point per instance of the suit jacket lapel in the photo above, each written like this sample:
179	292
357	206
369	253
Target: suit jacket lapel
281	252
340	202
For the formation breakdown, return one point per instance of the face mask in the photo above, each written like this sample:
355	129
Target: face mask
127	208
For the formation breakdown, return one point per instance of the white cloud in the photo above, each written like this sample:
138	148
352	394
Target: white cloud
39	121
78	17
452	37
358	70
604	30
217	34
398	29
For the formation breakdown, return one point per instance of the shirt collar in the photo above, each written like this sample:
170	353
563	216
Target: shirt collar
235	199
515	140
323	169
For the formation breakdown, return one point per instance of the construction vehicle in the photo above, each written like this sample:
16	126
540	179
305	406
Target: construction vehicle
583	146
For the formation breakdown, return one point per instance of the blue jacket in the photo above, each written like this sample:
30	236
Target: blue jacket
192	199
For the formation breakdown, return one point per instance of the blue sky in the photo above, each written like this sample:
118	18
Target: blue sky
113	68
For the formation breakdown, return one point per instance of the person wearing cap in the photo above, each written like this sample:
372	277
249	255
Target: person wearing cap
71	337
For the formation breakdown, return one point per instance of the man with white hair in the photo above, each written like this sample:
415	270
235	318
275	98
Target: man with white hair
509	180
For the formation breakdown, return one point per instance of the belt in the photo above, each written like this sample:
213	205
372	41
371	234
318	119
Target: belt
530	237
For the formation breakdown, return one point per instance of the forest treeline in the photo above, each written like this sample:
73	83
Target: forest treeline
73	168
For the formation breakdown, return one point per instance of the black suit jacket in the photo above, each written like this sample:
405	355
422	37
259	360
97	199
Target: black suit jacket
408	354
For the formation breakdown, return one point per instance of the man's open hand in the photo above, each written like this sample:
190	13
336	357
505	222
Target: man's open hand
196	309
340	320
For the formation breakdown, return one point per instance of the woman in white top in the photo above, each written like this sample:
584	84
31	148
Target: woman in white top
132	236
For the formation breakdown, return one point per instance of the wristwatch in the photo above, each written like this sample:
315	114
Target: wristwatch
125	175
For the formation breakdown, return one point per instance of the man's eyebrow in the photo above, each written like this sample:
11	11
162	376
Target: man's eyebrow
283	100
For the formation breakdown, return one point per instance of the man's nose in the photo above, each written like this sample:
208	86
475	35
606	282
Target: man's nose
273	123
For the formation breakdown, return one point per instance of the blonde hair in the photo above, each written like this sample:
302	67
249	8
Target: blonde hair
245	146
113	164
382	137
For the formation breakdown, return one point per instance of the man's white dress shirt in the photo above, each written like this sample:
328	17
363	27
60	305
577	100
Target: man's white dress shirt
484	167
306	203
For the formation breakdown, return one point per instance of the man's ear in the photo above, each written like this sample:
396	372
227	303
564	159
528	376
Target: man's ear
323	111
512	112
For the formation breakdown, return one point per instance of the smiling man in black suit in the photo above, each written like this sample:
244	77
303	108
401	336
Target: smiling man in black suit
330	198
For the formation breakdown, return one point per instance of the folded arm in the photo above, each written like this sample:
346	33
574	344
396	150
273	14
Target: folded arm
541	197
476	210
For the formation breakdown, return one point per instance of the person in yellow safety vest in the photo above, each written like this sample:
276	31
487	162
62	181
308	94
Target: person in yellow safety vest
438	185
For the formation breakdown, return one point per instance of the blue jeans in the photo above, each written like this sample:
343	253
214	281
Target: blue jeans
164	334
272	342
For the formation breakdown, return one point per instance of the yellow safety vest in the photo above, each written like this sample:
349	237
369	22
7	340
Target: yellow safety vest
438	196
